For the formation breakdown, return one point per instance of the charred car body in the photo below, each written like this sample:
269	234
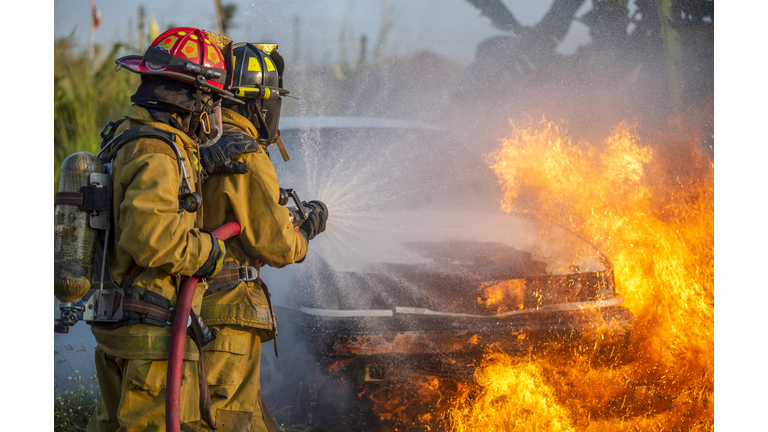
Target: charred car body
421	272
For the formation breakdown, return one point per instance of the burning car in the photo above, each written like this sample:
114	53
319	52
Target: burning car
419	272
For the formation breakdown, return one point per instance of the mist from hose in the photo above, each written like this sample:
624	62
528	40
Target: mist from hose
364	173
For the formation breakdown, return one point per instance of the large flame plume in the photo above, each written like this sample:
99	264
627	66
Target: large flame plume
650	209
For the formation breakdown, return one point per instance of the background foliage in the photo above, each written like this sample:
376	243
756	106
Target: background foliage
86	97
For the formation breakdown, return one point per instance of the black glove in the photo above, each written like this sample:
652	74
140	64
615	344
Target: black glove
315	223
217	158
212	266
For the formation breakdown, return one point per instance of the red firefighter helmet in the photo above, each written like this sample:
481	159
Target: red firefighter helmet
187	54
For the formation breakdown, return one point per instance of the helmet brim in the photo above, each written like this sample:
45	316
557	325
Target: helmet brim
137	64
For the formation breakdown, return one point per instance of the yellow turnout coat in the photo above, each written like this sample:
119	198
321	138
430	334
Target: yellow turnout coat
131	361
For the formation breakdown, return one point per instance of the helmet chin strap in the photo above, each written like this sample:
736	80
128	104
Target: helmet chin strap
251	113
262	128
216	129
262	125
200	127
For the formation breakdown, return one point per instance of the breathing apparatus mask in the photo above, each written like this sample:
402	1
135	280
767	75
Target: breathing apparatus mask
205	122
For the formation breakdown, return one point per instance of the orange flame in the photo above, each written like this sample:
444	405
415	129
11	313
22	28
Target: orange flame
650	209
512	396
502	296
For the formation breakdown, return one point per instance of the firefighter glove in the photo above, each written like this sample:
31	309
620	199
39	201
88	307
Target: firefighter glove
315	223
217	158
215	260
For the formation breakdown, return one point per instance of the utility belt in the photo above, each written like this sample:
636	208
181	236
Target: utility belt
142	306
231	275
130	304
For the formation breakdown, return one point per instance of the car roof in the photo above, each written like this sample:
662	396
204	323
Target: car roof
352	122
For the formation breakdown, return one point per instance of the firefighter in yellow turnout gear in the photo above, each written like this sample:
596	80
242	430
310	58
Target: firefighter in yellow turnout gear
240	310
137	354
158	239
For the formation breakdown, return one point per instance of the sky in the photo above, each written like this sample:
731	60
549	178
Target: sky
451	28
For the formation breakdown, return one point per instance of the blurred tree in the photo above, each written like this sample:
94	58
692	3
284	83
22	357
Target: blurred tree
85	99
550	31
607	19
224	16
227	16
679	32
387	21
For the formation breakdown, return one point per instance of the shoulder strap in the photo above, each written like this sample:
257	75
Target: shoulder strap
145	131
110	148
108	152
109	131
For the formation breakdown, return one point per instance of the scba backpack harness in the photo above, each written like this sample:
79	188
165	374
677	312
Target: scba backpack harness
87	212
110	305
83	224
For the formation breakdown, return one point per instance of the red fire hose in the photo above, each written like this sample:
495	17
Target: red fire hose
176	357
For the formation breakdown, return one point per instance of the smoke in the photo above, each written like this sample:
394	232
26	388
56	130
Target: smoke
420	198
415	221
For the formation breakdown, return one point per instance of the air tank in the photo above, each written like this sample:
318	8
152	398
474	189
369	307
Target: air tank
74	239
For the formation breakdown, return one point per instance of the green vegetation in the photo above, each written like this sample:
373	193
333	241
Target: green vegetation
72	409
86	96
74	400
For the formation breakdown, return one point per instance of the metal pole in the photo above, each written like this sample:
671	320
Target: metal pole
217	13
91	39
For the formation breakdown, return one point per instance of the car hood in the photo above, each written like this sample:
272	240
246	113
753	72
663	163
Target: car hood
442	262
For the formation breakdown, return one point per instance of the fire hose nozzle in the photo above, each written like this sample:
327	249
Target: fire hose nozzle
303	209
302	212
283	200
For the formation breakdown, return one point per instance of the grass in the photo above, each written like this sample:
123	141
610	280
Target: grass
74	400
87	95
72	409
